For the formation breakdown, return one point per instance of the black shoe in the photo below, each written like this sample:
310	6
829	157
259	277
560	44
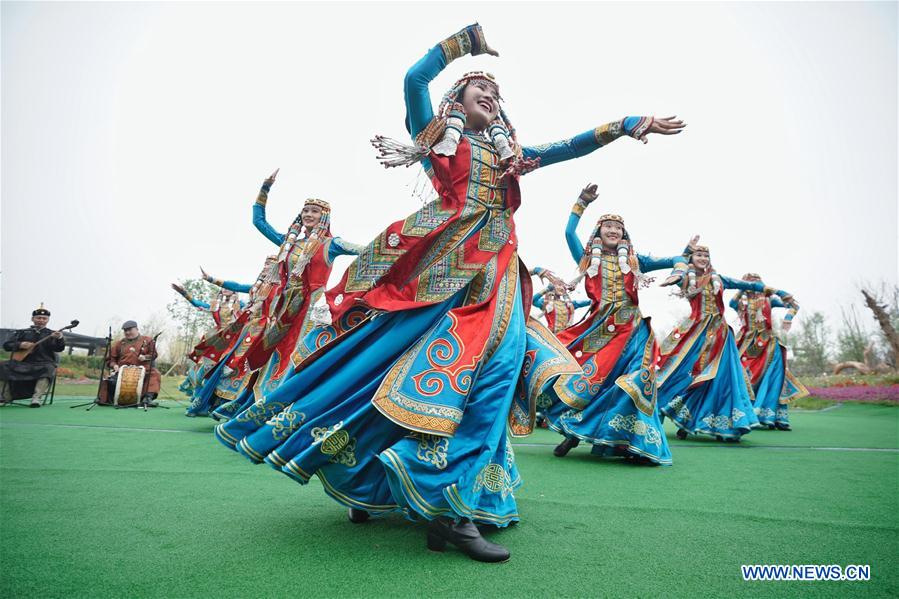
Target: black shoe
358	516
681	434
565	446
771	427
466	538
733	440
719	438
34	405
783	426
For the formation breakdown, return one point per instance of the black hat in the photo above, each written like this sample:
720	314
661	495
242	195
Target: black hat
129	324
42	311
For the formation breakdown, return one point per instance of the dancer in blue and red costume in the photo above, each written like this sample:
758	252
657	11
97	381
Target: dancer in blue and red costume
555	301
764	355
307	254
222	386
615	346
703	387
224	310
433	359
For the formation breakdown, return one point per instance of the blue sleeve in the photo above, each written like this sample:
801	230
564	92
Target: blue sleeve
733	303
582	303
651	263
538	299
574	244
730	283
340	247
262	225
243	304
776	302
419	110
199	304
579	145
236	287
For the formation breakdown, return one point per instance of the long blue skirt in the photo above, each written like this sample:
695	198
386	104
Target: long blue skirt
612	420
204	399
768	408
321	421
721	406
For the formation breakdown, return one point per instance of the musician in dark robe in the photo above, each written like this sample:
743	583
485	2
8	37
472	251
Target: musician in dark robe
134	349
38	368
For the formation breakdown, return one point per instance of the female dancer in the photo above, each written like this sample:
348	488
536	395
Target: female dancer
223	309
703	387
614	345
432	358
765	356
555	302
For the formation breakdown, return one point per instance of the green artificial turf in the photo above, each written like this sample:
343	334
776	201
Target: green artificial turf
126	503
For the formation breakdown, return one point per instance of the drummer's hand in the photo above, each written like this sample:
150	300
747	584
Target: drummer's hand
25	344
144	358
115	368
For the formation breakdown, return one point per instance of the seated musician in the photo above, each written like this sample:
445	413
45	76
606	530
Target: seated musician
134	349
32	375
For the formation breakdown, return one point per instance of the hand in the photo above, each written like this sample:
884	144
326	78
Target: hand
490	51
694	241
788	299
56	335
669	125
115	368
179	289
25	345
206	276
144	358
671	280
786	325
589	194
271	179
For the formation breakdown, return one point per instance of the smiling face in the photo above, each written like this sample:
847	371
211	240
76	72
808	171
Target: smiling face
701	259
481	102
311	215
610	233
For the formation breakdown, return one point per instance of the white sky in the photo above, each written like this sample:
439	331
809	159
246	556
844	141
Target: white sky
135	137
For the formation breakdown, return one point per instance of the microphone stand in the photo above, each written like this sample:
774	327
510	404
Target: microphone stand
106	354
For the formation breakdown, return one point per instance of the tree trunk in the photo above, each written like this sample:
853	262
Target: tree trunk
883	320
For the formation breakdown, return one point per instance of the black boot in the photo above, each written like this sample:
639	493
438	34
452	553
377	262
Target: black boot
465	536
783	426
565	446
150	400
358	516
681	434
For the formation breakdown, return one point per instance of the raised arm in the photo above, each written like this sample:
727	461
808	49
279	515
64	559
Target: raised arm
259	220
580	145
586	197
187	295
419	110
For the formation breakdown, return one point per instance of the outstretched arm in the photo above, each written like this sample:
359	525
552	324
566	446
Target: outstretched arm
229	285
758	286
580	145
342	247
582	303
259	220
187	295
651	263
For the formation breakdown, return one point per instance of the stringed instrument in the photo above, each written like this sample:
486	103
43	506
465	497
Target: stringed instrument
18	356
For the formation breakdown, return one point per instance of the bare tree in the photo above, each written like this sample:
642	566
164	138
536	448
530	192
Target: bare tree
882	315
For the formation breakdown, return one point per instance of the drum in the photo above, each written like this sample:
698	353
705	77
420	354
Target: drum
129	385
